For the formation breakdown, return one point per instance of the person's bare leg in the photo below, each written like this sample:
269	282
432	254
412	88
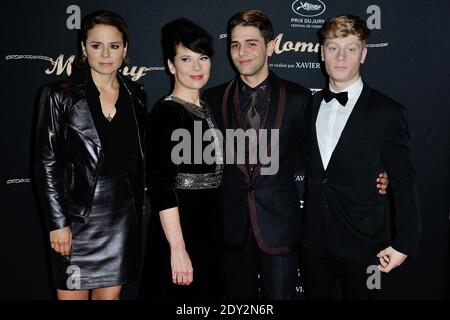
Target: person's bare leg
108	293
72	294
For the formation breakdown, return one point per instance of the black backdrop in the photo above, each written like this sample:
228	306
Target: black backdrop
407	60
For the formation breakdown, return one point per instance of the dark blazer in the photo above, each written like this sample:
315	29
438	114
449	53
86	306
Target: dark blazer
343	201
68	152
267	203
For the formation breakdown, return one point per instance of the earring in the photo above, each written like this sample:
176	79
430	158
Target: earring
83	59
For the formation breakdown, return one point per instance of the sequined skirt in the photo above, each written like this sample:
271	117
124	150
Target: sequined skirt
105	250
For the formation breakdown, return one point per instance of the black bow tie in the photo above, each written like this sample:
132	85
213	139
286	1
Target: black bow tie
341	97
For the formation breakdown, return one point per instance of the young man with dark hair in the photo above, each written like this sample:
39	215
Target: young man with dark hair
261	212
262	217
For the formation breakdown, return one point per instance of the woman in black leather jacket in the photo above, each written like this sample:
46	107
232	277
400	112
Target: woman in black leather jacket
89	166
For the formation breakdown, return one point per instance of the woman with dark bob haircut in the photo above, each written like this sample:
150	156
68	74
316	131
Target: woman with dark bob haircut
89	170
184	256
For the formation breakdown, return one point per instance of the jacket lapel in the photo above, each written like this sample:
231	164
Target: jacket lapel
84	102
317	100
230	121
352	122
82	118
275	114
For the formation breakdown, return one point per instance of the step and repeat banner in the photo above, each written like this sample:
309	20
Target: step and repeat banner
407	59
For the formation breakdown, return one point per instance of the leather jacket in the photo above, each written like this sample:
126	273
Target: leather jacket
69	154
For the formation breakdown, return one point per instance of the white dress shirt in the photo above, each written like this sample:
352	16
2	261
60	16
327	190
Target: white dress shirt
332	118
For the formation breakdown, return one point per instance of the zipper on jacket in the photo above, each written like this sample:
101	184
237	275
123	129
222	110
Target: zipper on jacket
135	119
131	195
140	143
137	128
99	165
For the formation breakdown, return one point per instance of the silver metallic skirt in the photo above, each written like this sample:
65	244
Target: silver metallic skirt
105	250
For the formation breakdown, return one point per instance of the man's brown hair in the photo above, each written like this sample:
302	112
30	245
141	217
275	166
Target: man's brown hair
344	25
252	18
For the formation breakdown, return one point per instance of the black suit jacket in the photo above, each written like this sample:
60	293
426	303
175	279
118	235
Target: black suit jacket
267	203
342	202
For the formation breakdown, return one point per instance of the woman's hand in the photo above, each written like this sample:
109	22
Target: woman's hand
182	272
61	240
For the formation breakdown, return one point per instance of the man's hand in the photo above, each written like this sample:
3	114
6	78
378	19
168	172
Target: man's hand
382	182
61	240
390	259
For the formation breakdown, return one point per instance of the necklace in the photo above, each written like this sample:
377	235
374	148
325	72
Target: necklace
109	118
193	108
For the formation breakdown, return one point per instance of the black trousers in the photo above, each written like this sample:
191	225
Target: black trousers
253	274
329	277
